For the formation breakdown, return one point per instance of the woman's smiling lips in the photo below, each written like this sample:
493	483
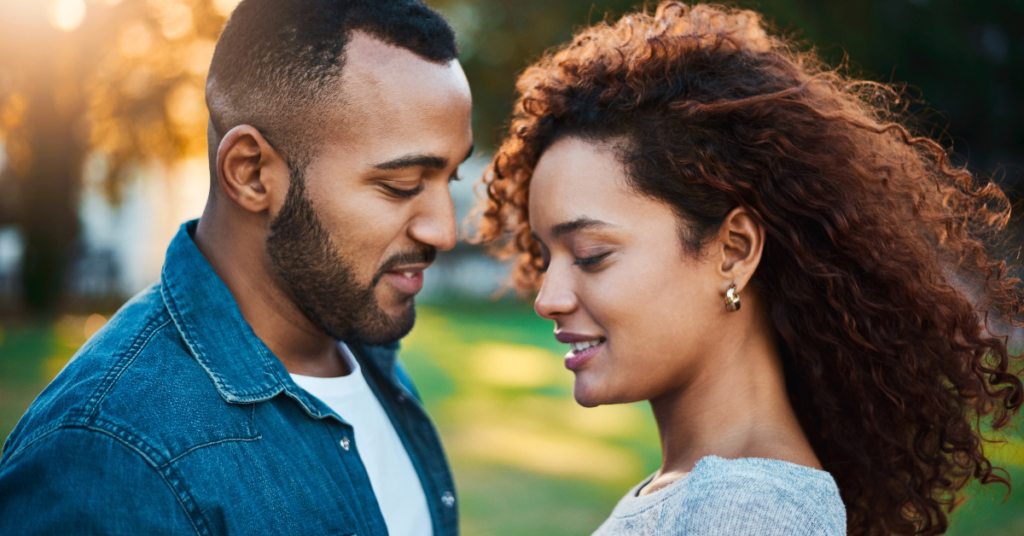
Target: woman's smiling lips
584	347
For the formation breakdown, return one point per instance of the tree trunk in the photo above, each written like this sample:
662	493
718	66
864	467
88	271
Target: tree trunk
48	202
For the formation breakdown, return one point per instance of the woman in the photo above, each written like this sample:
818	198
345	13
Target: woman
804	291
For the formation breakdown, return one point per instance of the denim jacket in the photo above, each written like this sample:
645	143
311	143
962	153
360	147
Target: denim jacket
176	419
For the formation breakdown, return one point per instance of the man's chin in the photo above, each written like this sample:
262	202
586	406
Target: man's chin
387	327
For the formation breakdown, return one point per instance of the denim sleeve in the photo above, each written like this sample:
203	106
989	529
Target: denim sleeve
77	481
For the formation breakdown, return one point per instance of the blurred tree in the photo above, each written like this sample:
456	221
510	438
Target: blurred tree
966	58
118	82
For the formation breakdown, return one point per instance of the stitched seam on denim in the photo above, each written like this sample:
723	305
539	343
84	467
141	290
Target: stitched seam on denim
140	450
194	346
151	455
308	402
268	358
32	439
210	444
197	349
114	373
93	401
313	411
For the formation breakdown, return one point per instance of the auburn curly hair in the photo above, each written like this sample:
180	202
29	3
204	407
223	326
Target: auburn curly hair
878	273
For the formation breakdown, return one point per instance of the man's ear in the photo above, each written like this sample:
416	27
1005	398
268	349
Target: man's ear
250	171
741	242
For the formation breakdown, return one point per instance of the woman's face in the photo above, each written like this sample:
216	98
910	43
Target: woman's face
640	312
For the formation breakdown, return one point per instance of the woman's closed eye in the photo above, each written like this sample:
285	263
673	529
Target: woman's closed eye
591	261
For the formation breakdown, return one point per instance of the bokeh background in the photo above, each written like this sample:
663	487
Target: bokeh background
102	156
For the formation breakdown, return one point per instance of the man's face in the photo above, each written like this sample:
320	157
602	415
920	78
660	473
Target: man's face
366	216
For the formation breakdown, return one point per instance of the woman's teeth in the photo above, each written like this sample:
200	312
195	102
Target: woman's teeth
580	346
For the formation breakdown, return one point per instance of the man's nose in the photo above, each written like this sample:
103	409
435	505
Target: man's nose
556	297
435	224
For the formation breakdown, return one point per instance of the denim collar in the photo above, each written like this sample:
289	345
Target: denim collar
241	366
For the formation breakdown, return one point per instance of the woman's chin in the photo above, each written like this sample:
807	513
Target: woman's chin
586	395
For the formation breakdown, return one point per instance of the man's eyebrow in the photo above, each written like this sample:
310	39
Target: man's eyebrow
578	224
418	160
414	160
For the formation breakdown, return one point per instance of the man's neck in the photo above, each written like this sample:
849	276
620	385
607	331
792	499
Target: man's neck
237	256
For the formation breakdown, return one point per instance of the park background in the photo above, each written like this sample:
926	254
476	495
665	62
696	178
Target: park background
102	156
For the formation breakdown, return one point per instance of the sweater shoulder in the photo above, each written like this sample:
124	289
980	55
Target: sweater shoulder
759	496
745	496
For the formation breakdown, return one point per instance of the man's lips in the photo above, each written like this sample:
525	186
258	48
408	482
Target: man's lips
407	279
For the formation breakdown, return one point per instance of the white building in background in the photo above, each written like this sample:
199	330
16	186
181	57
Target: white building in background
10	257
134	235
126	243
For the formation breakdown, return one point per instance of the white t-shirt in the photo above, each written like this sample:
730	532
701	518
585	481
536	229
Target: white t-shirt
394	480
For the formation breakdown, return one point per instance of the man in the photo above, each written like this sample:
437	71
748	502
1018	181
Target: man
221	400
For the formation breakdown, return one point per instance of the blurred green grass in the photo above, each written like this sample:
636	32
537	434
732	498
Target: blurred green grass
527	459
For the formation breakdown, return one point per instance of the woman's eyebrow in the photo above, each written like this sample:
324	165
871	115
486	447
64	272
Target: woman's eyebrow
583	222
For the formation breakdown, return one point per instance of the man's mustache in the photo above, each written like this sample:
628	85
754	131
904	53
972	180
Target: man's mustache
425	254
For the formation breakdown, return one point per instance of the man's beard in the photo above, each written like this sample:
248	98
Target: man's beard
323	284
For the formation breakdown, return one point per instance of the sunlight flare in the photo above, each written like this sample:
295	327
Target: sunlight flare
66	14
225	7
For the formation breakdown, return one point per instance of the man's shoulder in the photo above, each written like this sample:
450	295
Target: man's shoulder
136	382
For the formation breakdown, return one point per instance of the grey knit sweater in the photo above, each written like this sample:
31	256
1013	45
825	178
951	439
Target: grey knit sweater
744	497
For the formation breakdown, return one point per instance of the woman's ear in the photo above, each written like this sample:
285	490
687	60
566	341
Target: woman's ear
741	240
250	171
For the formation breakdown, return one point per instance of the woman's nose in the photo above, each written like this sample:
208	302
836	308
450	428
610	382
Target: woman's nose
556	298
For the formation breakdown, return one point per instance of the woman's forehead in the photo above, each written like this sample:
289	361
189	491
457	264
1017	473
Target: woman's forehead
574	171
577	180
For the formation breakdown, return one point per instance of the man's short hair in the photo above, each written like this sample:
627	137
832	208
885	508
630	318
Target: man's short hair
276	60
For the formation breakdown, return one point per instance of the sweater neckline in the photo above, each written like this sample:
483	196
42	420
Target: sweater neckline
714	463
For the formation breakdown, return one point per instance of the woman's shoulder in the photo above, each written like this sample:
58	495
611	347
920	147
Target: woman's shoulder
763	475
773	496
742	496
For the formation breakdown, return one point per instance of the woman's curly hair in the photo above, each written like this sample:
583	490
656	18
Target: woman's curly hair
878	273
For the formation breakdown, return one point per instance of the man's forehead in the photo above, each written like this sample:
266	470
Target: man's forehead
395	107
365	52
385	89
375	71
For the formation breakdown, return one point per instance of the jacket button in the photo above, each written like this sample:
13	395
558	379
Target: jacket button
448	499
344	443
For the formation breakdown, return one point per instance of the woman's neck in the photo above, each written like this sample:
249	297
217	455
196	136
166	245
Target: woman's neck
735	406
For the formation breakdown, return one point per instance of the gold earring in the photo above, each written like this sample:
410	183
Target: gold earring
732	299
